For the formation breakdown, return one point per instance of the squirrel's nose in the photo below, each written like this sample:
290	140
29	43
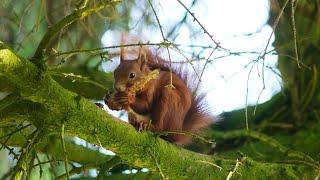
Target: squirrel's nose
120	87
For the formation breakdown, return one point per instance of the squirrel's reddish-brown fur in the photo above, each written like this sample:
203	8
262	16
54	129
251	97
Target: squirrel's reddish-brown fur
177	109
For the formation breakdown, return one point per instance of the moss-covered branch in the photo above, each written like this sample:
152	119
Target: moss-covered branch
57	106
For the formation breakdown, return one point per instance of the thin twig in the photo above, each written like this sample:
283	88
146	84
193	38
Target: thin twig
169	44
45	162
76	51
64	152
204	66
40	167
188	61
164	40
157	164
190	134
38	20
11	150
15	131
77	78
25	11
294	32
247	95
77	170
207	162
202	27
238	162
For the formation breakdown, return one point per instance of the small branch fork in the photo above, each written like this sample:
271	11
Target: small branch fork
236	166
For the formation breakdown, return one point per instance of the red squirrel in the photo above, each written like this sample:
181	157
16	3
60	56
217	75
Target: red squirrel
176	108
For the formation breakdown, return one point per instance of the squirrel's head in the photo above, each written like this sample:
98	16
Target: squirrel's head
130	71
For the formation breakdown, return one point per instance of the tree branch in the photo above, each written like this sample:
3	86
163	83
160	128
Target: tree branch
83	119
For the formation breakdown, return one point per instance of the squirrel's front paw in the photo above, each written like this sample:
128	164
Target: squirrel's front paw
143	126
139	124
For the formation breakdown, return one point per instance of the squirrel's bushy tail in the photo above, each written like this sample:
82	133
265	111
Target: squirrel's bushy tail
198	117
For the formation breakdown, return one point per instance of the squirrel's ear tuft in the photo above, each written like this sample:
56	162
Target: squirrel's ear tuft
122	50
142	60
121	54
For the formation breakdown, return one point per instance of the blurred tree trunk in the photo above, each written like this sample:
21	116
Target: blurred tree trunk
298	45
292	117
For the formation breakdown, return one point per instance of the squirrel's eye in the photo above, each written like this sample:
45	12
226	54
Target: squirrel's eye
132	75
